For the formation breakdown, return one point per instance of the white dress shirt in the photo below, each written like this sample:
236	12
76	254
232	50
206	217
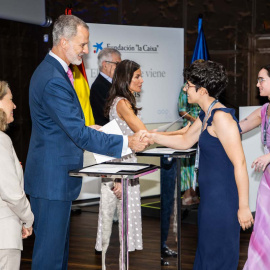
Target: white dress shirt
108	78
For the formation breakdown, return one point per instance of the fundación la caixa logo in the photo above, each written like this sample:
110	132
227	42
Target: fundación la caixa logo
136	48
98	47
143	48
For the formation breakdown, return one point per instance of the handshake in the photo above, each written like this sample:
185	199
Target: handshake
137	142
140	140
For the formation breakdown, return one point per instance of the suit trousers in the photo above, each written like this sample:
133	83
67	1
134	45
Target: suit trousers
167	187
10	259
51	227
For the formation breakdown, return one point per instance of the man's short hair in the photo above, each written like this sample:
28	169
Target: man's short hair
106	55
66	26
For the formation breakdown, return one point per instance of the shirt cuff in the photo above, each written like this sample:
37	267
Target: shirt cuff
125	145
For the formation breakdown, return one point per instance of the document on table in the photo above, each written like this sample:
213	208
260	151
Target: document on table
113	168
110	128
161	150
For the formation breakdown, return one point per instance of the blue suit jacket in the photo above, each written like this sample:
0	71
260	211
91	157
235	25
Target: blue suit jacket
59	135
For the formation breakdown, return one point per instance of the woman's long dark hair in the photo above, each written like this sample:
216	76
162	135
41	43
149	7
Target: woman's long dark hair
120	87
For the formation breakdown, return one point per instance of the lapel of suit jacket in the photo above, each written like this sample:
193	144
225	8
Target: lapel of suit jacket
59	67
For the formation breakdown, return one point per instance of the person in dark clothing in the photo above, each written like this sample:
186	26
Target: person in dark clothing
108	59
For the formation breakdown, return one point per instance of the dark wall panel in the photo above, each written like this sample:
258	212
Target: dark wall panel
228	26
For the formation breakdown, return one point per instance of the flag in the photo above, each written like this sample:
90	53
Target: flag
83	92
200	51
82	88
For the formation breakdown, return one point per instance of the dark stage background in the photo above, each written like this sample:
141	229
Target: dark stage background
237	35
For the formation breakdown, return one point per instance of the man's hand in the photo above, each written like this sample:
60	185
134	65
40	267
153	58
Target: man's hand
26	232
96	127
147	136
136	144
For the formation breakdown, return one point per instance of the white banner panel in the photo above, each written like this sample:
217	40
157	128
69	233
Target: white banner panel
160	53
253	148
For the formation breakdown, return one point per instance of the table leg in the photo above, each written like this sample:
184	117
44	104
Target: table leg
179	203
124	252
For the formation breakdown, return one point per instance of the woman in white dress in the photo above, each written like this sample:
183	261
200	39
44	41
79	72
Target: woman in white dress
121	106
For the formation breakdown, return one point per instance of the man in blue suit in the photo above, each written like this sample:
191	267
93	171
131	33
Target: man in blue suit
58	138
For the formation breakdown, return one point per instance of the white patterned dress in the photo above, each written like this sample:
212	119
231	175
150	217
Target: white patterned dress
109	202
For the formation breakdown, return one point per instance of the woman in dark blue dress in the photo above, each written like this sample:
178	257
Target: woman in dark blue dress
223	178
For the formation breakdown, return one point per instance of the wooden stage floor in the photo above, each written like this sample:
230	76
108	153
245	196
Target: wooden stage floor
82	242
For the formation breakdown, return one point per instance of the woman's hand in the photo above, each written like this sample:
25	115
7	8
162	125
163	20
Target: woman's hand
96	127
150	137
245	217
26	232
117	190
261	163
137	142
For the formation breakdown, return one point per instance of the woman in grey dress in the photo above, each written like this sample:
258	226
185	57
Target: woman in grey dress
121	106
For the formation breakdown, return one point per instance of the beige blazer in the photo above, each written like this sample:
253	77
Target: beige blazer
15	209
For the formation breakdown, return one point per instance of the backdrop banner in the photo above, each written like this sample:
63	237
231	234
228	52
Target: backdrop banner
253	148
160	53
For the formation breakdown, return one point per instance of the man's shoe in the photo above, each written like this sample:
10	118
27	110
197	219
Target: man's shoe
97	252
164	263
167	252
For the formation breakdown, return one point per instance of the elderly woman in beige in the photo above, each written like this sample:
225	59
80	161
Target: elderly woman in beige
16	217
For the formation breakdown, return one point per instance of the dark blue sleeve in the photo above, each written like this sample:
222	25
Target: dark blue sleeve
60	103
226	110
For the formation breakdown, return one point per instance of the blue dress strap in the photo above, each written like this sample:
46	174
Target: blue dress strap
201	115
226	110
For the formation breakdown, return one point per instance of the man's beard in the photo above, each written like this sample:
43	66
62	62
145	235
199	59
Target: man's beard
73	58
